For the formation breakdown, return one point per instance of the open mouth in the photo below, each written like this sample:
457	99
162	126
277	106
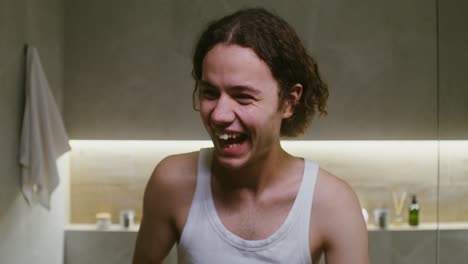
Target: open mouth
231	140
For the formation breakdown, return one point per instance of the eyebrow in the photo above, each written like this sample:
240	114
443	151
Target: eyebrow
239	88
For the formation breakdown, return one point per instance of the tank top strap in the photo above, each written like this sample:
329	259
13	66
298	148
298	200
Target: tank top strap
204	170
197	210
306	192
304	200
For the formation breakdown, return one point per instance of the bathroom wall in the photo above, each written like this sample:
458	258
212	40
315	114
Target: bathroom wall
109	176
28	234
128	66
453	41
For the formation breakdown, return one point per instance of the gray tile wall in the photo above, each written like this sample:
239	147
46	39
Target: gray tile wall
28	235
453	40
128	66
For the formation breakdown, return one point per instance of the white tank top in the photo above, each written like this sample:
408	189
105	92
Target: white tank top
205	240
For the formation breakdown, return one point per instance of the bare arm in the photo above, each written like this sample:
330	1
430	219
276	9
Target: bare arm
344	230
157	232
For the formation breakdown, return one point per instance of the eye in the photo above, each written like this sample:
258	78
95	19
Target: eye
244	98
208	93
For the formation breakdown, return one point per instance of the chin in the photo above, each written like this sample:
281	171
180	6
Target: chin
231	162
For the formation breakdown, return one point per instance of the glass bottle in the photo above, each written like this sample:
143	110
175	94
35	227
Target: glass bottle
414	212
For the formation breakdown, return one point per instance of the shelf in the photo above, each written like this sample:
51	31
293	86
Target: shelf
423	226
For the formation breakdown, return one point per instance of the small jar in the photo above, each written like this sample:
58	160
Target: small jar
103	220
127	218
381	217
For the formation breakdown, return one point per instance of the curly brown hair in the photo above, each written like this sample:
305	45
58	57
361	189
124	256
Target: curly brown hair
276	43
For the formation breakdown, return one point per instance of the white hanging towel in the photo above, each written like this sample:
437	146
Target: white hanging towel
43	136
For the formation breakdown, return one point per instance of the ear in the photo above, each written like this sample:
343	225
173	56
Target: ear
291	100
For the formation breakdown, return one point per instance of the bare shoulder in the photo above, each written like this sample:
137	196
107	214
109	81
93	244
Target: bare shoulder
332	192
338	218
174	175
172	185
167	195
335	204
174	171
170	189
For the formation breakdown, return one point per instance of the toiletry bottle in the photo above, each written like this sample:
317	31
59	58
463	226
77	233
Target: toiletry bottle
414	212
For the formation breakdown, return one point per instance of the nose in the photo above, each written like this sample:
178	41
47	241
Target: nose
223	112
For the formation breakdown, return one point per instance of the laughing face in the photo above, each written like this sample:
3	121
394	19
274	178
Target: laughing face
239	106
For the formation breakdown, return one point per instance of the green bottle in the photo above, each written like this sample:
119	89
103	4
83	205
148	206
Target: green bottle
414	212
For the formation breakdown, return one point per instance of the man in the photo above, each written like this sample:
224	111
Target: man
247	200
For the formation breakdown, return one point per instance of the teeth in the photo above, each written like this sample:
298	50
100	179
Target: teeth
226	136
